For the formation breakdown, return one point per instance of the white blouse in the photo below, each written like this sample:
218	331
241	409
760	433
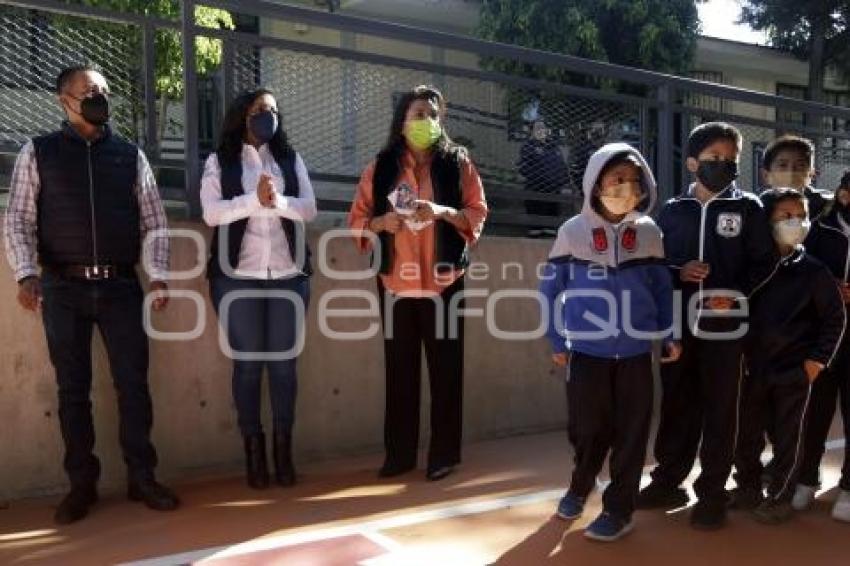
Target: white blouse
265	251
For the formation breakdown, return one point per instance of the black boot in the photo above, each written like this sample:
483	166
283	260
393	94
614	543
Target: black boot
284	470
153	494
256	467
75	505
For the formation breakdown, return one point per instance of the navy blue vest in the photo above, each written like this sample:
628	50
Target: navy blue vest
231	187
88	211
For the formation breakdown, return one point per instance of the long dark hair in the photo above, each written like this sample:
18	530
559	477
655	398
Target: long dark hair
233	130
395	141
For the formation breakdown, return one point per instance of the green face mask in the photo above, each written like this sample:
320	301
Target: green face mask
422	134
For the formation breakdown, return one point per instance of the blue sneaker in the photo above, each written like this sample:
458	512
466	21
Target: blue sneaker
570	507
608	528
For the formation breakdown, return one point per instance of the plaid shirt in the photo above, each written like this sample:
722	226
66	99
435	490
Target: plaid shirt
21	222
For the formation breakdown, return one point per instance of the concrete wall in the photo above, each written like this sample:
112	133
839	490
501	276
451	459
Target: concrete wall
510	386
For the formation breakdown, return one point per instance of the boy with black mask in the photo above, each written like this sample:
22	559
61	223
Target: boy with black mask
797	321
717	242
829	241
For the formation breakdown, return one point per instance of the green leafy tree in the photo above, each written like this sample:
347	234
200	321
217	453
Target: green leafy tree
657	35
650	34
814	30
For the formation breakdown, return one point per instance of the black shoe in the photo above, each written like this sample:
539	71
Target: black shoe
392	469
772	512
708	516
745	498
75	505
256	467
658	496
284	470
439	472
154	495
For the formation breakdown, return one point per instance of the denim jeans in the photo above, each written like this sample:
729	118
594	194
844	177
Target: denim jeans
71	309
265	326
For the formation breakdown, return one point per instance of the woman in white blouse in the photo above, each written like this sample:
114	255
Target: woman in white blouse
257	194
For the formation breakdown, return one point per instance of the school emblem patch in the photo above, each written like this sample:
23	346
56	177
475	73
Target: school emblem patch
729	224
600	240
629	240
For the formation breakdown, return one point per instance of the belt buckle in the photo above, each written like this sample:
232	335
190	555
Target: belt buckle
96	272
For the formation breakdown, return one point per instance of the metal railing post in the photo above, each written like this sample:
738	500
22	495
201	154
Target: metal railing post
666	178
149	77
228	69
190	98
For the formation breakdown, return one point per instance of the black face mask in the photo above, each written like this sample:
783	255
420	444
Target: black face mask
95	109
717	175
263	125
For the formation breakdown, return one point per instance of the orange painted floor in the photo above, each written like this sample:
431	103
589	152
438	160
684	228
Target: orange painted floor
497	509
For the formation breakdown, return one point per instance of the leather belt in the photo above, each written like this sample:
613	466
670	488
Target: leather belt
93	272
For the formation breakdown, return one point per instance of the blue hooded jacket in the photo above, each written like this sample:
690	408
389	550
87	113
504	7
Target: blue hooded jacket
608	289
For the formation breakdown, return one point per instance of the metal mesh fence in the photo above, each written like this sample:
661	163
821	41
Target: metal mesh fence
530	143
526	144
35	46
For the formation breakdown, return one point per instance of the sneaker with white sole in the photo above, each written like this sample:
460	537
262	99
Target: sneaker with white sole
841	509
804	496
608	527
570	507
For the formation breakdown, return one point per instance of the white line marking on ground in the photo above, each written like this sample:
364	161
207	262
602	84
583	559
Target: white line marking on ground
369	529
365	529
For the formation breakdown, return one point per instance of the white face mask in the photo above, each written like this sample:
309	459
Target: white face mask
621	199
792	231
797	180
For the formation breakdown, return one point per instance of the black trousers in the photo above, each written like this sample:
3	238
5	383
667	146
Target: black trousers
414	323
609	404
700	399
782	406
834	382
70	311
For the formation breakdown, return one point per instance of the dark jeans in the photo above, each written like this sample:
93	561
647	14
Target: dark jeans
70	311
700	399
609	406
833	383
266	326
414	324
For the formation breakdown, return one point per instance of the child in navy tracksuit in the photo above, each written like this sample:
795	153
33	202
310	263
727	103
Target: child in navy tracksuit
609	294
797	321
718	244
829	241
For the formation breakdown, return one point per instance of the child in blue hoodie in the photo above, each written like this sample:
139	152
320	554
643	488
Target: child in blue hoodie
610	295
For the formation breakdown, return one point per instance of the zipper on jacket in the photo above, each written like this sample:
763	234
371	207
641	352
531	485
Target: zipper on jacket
615	279
847	260
702	217
91	203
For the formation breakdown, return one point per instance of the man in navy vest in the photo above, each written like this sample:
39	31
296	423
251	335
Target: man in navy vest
82	202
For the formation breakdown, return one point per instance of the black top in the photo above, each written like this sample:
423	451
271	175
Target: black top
797	315
88	211
731	231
